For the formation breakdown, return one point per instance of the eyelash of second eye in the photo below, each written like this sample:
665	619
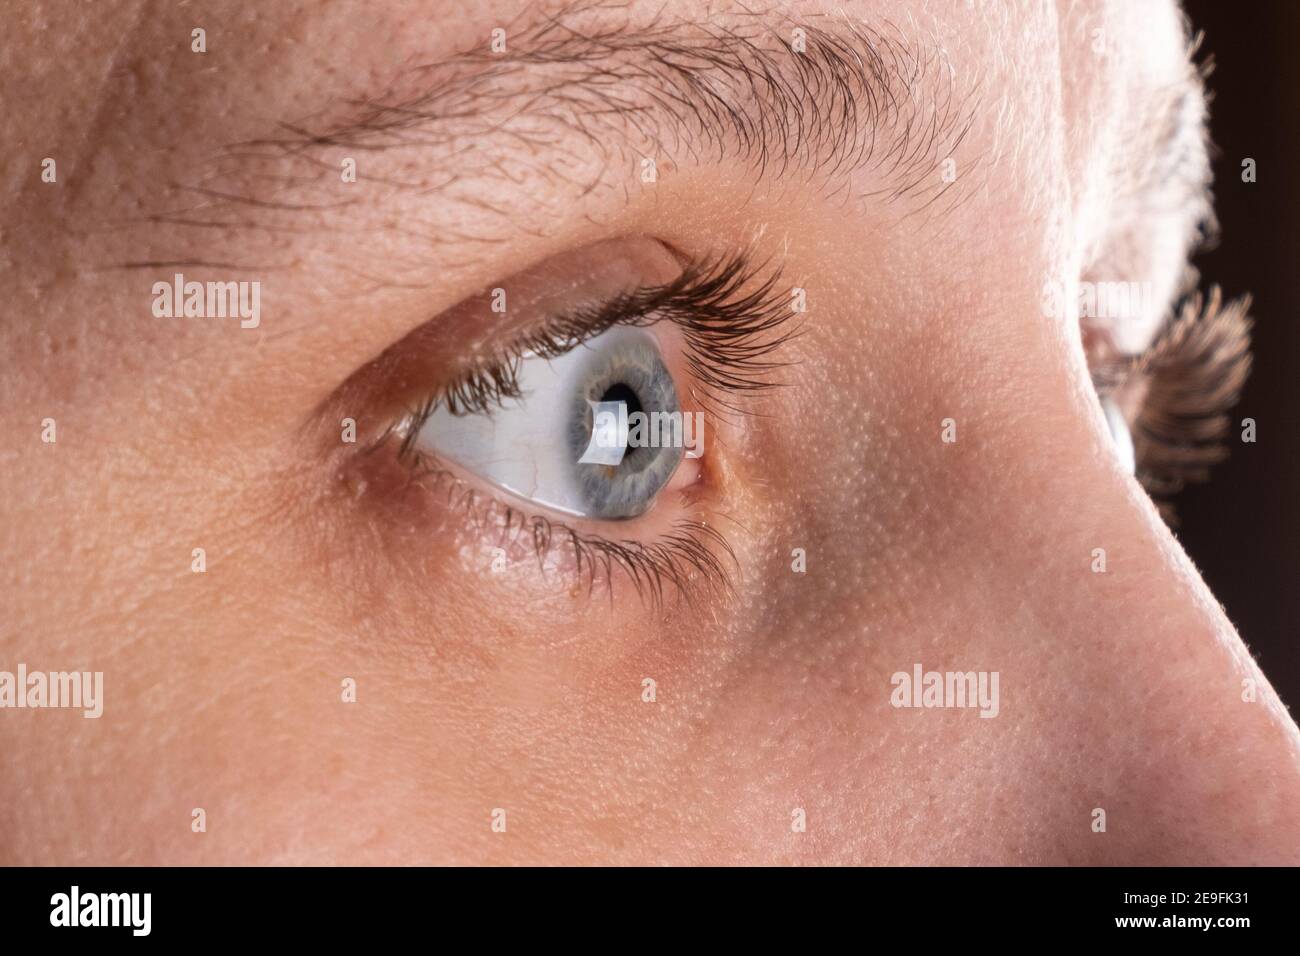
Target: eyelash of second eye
731	339
1194	372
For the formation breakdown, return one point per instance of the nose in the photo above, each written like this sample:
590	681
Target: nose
1140	696
1117	718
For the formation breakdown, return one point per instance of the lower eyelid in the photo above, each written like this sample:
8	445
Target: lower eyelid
450	516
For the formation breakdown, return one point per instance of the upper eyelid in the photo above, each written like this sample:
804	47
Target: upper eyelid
732	312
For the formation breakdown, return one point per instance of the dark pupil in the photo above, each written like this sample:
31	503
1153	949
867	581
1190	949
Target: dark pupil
621	393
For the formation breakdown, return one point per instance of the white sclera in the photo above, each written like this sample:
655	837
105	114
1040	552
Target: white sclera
1120	435
523	446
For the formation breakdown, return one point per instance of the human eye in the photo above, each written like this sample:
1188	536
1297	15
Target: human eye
1179	390
582	430
594	432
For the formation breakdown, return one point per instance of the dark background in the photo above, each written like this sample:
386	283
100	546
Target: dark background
1241	528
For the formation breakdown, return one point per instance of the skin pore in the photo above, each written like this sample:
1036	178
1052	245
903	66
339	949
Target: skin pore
521	688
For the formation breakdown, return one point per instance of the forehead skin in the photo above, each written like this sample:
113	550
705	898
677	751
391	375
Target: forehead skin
224	686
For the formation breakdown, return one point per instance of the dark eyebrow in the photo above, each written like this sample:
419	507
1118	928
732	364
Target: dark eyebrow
678	91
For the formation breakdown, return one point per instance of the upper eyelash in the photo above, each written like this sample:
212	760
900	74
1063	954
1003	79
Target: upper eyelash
730	337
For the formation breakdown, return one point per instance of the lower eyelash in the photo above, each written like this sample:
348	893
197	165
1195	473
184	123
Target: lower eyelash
692	556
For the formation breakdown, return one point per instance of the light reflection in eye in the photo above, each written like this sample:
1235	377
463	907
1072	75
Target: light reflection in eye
533	447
